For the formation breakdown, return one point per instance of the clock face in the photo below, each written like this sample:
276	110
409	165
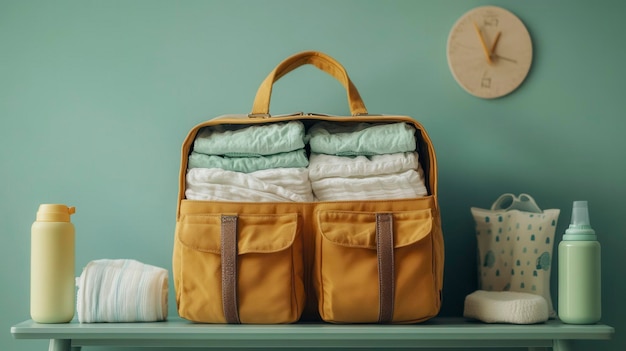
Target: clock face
489	52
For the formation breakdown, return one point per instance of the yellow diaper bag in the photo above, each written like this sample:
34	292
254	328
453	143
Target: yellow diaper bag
308	217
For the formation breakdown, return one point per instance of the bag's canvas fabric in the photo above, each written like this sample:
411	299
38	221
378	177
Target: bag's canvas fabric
310	260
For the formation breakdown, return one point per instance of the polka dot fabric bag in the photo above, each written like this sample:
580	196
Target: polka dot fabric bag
515	240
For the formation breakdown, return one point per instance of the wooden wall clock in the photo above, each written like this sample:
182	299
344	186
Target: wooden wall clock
489	51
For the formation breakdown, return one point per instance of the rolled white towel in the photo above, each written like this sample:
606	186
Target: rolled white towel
121	290
506	307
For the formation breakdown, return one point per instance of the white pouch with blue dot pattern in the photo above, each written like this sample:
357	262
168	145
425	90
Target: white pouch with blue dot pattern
515	240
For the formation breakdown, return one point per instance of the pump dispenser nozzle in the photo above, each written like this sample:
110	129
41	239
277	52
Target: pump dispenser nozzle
580	215
580	227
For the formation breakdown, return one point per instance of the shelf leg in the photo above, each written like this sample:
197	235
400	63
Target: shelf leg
562	345
60	345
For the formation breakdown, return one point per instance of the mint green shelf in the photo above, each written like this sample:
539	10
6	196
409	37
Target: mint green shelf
436	333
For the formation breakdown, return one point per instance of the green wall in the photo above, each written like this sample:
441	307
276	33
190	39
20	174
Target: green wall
96	98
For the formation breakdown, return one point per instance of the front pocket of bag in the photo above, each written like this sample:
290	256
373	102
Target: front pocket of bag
347	267
268	267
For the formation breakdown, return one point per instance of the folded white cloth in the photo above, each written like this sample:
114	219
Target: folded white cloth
269	185
506	307
121	291
408	184
325	166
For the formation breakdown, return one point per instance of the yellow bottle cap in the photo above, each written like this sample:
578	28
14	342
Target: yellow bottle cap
54	213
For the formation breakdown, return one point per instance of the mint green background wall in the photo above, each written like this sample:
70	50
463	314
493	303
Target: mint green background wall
97	96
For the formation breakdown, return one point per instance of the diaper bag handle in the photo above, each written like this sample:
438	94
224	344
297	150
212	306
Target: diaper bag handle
261	105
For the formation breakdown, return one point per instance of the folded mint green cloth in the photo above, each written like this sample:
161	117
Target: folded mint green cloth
361	139
292	159
250	140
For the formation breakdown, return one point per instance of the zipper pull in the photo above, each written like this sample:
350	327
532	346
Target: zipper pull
267	115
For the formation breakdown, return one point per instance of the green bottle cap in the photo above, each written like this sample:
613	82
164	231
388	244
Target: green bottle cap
580	227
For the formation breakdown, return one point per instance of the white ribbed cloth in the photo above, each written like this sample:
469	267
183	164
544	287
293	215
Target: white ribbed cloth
121	290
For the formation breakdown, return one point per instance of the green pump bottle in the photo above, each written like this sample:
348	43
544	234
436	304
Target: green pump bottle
579	270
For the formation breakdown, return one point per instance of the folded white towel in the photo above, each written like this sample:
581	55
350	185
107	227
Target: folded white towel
408	184
506	307
121	291
325	166
268	185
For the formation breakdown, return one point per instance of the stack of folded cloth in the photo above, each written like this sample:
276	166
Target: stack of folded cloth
121	291
249	163
364	161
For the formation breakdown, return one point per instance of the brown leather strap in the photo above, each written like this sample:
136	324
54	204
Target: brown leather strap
384	250
229	269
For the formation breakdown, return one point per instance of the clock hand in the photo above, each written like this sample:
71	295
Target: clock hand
493	46
482	42
504	58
